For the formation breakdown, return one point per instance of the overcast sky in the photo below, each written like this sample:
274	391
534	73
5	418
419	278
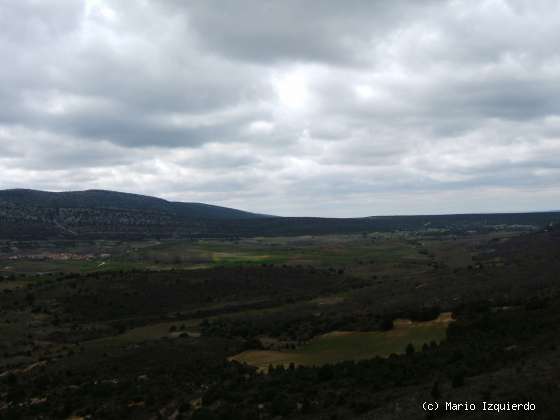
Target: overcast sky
324	108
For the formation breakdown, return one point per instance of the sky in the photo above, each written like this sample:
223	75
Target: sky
293	108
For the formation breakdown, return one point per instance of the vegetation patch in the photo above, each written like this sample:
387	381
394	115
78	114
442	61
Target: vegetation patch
339	346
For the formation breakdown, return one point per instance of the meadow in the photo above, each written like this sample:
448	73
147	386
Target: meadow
339	346
359	253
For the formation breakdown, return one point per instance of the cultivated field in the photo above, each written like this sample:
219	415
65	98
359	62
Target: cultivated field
339	346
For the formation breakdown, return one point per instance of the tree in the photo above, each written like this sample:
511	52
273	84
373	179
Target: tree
436	393
203	414
386	324
325	373
280	405
458	380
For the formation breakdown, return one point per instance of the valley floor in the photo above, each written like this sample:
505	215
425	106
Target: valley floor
337	326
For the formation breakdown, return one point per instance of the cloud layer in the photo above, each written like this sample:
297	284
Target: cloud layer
331	109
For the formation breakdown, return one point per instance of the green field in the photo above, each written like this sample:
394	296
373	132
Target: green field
340	346
360	255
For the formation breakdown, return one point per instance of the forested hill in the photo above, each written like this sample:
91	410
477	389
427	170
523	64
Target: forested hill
98	214
102	199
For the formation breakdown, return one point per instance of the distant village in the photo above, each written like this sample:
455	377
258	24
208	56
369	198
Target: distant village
57	256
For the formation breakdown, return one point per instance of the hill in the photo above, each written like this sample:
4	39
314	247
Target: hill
99	214
102	199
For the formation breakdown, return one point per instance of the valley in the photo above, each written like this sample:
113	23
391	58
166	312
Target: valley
214	327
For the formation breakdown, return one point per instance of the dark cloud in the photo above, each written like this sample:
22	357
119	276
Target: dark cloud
324	108
269	31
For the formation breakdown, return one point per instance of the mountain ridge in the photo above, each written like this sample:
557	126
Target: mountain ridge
101	214
115	200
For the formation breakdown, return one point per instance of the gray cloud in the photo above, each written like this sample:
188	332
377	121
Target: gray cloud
332	108
272	32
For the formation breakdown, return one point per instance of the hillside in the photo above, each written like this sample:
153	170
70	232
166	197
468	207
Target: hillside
98	214
102	199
